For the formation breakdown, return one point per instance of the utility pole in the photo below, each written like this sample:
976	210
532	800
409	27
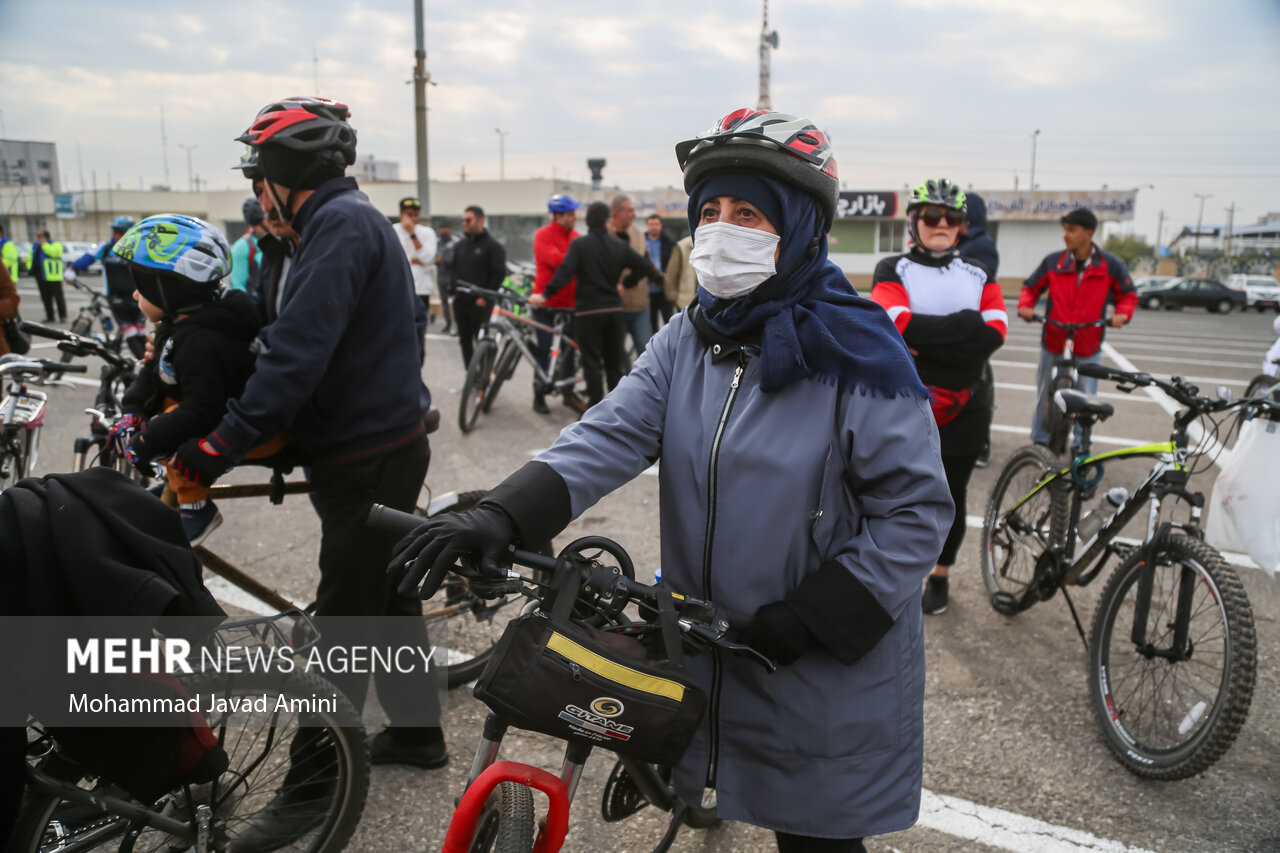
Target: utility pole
1159	230
420	80
502	169
768	42
1032	183
164	151
191	187
1200	218
1231	215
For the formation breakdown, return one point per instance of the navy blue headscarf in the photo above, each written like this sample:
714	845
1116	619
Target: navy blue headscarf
812	324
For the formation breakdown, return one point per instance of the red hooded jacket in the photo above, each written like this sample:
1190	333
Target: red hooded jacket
1079	296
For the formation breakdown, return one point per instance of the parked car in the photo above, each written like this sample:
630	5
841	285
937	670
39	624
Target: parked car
72	251
1152	282
1261	291
1196	292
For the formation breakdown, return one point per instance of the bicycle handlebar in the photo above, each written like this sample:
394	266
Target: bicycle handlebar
1178	388
1072	327
39	365
466	288
707	622
76	344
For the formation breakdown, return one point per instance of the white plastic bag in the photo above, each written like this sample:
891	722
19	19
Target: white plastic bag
1248	490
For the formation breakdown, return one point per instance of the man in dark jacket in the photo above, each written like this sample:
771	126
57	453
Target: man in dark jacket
659	245
339	370
598	261
977	245
478	260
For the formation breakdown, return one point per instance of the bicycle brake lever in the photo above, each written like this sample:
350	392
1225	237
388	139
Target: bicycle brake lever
746	650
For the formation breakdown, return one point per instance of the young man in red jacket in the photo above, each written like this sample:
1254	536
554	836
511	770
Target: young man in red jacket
550	242
1080	282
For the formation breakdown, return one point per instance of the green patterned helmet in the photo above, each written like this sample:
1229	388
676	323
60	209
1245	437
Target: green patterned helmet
940	192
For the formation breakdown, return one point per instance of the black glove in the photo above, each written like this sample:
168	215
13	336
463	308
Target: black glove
430	551
777	633
196	460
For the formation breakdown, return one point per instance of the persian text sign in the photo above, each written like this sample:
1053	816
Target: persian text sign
1107	205
867	205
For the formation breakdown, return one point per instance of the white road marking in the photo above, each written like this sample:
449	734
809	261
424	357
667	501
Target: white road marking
1025	432
1176	359
1109	395
1007	830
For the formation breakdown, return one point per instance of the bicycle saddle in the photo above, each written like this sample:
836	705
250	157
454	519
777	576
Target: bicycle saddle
1079	403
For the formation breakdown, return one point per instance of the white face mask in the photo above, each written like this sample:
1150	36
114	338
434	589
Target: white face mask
730	260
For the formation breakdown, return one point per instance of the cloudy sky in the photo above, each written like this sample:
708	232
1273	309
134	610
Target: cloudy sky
1177	94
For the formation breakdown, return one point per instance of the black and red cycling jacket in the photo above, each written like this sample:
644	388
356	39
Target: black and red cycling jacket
1079	296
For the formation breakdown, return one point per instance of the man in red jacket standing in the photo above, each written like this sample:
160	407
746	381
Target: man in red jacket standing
1080	282
550	242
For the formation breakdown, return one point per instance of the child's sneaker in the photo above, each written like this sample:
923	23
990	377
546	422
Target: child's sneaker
199	520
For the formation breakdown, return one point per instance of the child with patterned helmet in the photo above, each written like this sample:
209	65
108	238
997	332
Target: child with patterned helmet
205	348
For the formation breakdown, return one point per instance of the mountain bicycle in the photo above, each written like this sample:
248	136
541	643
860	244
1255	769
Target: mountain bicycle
503	342
22	411
1172	651
1065	376
69	808
496	811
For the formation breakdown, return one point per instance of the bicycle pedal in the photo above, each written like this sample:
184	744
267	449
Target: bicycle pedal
621	797
1004	602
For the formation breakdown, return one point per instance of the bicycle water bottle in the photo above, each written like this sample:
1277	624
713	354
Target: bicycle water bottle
1100	516
657	575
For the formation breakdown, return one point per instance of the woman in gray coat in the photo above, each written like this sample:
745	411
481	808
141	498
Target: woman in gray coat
800	481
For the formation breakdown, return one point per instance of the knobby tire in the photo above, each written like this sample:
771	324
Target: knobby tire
507	822
1168	719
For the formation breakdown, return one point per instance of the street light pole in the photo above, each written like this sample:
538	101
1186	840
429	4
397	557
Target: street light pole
1032	184
190	181
1200	218
502	169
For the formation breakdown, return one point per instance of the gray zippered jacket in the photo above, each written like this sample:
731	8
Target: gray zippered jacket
760	492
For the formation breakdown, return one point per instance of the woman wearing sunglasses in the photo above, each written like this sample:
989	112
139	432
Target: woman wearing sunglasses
951	314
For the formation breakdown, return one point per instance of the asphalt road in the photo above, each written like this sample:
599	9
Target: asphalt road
1014	759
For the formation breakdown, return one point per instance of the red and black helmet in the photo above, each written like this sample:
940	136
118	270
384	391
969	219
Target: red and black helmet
316	126
786	147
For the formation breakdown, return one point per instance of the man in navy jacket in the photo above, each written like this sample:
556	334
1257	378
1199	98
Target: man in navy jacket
339	371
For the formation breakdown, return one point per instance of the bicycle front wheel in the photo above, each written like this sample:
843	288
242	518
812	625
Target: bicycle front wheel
504	370
507	822
329	763
1024	519
1170	712
476	385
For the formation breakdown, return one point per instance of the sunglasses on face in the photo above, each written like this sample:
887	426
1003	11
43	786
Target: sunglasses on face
933	217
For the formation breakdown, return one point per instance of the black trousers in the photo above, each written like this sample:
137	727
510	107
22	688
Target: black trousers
446	307
788	843
354	580
958	469
659	306
51	295
601	338
470	318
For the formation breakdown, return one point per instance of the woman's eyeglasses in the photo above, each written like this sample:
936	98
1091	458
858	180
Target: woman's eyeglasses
933	217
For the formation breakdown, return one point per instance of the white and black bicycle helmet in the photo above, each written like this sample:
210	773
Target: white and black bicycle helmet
786	147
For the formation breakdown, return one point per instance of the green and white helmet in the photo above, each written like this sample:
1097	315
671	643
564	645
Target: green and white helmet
940	192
